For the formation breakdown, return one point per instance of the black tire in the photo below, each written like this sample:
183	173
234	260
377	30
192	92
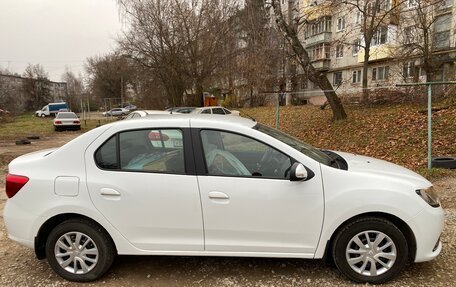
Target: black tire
444	162
106	249
33	137
23	142
376	224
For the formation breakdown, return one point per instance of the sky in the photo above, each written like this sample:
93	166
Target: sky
56	33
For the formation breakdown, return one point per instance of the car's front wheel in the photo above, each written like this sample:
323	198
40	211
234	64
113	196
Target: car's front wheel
79	250
370	249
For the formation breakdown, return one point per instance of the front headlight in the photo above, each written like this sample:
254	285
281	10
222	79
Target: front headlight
429	195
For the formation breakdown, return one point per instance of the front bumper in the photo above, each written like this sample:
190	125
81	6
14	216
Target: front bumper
427	227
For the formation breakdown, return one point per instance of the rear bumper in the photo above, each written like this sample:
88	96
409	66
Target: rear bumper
19	224
67	126
427	227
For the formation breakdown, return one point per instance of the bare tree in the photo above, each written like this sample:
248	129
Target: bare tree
372	20
319	78
36	86
108	75
422	33
75	88
182	42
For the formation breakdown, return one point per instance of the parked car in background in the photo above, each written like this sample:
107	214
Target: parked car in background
117	112
216	110
181	110
51	109
208	186
131	107
143	113
66	120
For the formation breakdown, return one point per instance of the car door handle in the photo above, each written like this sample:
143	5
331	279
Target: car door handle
218	195
109	192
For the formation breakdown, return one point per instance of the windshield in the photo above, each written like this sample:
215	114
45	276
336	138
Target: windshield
300	146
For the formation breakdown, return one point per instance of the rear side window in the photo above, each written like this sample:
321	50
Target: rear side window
157	150
106	155
218	111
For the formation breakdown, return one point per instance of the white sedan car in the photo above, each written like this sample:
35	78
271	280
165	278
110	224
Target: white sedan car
143	113
66	120
117	112
227	188
215	110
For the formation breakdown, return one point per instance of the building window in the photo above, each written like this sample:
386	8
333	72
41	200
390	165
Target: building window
442	28
319	26
359	18
412	3
408	37
356	78
445	4
340	23
339	51
380	73
409	69
319	52
337	79
356	47
380	36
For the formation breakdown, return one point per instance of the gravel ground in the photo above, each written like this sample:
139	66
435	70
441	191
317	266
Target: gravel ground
19	267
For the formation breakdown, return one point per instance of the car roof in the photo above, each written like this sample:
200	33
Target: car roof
195	120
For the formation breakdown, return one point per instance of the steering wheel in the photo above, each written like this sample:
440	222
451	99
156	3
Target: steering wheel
265	158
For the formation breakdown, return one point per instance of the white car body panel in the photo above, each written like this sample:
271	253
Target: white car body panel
154	211
274	218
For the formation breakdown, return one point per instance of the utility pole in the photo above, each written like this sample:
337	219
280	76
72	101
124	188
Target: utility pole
121	91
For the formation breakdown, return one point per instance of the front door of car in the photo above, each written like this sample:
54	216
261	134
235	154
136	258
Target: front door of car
249	203
141	181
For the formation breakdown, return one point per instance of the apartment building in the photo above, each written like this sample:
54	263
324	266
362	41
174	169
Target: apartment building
14	98
333	37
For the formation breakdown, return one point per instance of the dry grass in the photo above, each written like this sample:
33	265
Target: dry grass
395	133
26	125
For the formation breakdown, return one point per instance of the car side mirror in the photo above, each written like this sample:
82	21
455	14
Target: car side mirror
299	172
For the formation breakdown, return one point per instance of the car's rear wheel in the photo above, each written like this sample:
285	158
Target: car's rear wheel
79	250
371	250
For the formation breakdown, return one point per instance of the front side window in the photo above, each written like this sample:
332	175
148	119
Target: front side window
206	111
229	154
156	150
295	143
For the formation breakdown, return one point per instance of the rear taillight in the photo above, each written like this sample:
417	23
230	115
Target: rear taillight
58	122
14	183
76	122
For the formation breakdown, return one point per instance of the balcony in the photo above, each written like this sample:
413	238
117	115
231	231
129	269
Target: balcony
321	64
324	37
377	53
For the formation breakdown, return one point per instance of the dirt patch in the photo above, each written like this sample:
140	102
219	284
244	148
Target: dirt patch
19	267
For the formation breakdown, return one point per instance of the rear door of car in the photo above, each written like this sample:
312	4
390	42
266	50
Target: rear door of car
143	181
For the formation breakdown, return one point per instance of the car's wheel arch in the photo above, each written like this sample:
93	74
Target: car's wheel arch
401	224
48	225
